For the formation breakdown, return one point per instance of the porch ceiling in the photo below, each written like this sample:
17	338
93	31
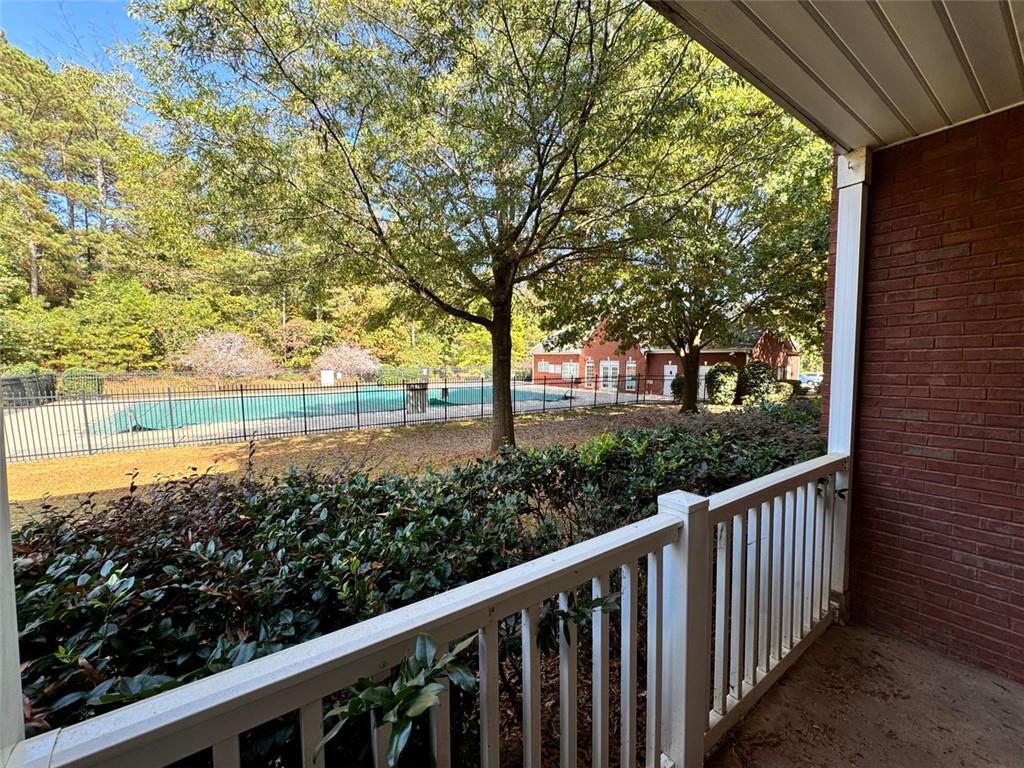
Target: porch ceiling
864	73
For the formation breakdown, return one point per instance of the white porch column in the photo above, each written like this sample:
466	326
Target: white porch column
853	175
11	719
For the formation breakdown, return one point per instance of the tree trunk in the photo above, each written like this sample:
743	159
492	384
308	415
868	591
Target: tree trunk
33	269
691	378
502	426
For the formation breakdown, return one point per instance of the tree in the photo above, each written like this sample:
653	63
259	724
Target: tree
461	150
747	249
349	361
222	354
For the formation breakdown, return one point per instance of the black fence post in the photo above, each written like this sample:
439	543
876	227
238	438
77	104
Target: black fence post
241	400
571	382
482	396
544	395
444	396
85	417
170	414
305	418
617	385
357	403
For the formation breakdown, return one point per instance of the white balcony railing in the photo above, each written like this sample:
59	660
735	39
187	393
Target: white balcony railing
737	585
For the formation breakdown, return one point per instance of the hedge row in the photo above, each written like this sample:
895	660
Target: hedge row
123	599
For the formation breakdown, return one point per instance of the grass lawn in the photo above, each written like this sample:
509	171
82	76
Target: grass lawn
402	449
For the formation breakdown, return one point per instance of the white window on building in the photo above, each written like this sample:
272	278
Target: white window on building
631	375
589	373
543	366
570	371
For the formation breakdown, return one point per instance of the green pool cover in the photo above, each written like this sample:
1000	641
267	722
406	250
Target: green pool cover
181	411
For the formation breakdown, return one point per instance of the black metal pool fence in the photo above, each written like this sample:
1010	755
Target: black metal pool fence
43	419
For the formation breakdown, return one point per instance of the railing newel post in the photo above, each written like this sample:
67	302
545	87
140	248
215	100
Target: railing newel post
686	631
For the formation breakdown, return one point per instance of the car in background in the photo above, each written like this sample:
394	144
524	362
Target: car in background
811	381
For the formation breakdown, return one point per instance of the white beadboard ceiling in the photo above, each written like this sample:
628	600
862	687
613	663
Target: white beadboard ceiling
868	73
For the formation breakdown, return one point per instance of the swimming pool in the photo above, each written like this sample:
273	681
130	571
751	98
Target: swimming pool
181	410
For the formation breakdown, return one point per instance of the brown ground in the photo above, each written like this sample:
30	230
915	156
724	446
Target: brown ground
862	698
403	449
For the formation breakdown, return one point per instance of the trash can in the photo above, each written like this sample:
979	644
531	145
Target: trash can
416	397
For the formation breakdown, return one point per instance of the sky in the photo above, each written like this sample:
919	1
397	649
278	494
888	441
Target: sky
78	31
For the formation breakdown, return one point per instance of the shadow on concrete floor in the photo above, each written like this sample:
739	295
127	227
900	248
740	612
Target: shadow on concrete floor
862	698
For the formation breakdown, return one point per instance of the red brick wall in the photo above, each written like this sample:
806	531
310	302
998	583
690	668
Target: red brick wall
599	348
938	525
773	350
556	359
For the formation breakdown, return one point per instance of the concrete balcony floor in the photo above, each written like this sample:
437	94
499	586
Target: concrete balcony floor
862	698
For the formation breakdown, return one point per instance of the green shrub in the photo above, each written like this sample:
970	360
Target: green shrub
756	383
24	369
678	386
393	374
720	382
785	391
81	381
125	598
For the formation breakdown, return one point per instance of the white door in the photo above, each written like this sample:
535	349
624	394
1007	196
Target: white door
702	392
609	374
670	373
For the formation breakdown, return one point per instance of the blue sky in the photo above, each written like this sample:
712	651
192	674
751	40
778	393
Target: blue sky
79	31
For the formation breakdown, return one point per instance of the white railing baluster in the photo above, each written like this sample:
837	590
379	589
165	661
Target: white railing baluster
826	575
753	631
379	737
723	596
311	730
441	728
767	530
819	537
789	576
490	738
627	667
778	621
654	655
799	562
531	689
810	502
567	681
812	538
738	624
226	754
599	673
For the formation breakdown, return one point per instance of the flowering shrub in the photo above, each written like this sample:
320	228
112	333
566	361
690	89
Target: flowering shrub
347	360
222	354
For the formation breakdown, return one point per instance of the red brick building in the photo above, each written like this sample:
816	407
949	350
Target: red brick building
600	363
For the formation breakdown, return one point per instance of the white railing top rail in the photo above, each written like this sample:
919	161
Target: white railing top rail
180	722
739	498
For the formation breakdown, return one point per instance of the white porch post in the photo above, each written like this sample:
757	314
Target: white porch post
853	175
11	719
686	632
